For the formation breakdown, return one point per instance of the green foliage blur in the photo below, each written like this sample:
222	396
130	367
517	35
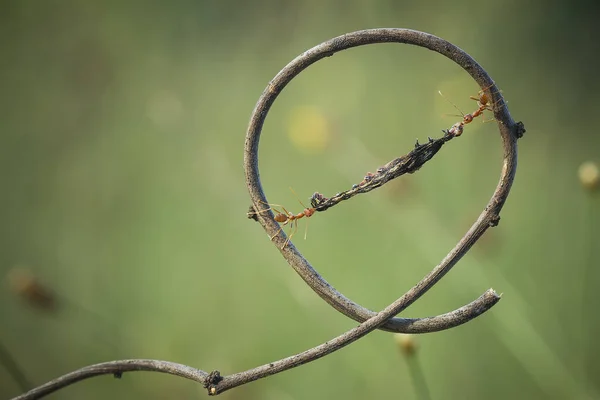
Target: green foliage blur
122	127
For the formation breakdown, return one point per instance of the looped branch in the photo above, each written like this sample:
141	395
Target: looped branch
214	382
508	130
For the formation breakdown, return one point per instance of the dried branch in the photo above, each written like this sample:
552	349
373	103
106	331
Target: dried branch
509	131
217	384
484	303
115	368
407	164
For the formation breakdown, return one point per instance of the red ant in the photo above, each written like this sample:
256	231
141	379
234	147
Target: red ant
483	105
285	217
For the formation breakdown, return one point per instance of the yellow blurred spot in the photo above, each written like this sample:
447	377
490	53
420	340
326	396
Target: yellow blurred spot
406	344
308	129
589	175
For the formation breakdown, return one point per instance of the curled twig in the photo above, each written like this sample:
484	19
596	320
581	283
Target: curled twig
214	382
509	132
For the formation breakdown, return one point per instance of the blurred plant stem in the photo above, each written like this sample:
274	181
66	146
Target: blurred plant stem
10	364
589	330
408	349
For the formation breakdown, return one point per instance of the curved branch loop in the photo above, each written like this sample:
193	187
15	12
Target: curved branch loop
214	382
509	131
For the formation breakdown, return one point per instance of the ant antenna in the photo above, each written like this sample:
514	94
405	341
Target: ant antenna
462	114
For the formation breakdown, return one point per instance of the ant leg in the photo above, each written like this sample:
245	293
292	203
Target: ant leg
279	230
256	212
481	95
306	228
293	229
270	207
488	120
278	208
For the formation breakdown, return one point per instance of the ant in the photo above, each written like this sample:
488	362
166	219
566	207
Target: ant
483	103
285	217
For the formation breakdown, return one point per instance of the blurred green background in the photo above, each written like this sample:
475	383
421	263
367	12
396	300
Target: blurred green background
121	134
